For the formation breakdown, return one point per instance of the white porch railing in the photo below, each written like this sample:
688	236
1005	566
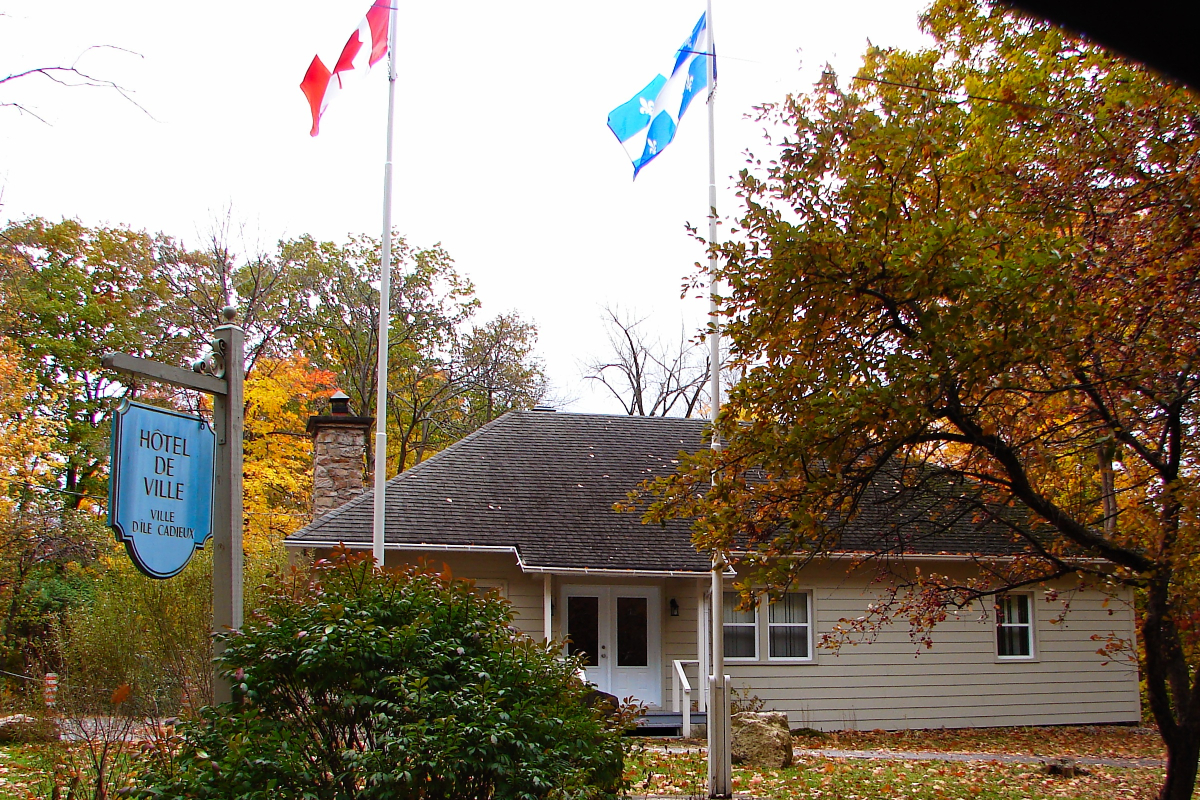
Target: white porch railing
681	689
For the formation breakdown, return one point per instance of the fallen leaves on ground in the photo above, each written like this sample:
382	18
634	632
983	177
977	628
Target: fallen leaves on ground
1096	741
19	772
685	774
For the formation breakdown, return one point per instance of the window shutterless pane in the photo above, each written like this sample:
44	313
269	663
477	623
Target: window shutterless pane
792	607
739	641
729	613
1014	628
788	641
1021	612
1014	640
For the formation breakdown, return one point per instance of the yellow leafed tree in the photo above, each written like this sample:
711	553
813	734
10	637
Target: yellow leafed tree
277	472
26	439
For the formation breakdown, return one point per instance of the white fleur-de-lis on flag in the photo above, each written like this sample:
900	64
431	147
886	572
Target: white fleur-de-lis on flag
647	107
651	146
690	79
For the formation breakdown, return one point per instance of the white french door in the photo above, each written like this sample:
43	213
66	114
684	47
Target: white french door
615	631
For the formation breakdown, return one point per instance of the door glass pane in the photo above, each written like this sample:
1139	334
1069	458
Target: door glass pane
631	632
583	628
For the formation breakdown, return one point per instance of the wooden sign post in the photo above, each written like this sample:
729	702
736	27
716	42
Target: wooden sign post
221	375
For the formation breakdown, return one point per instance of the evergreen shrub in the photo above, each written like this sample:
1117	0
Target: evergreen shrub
357	682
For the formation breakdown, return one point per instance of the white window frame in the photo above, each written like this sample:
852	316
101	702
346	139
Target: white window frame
1029	627
808	626
725	603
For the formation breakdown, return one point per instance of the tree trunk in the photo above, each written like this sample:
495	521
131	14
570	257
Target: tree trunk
1183	752
1170	693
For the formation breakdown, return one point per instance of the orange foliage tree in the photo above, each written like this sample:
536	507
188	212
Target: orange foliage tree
281	393
975	274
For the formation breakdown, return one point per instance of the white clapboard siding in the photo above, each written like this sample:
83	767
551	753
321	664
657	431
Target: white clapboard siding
523	591
892	681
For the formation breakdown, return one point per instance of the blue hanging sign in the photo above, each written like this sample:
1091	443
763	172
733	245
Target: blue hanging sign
160	491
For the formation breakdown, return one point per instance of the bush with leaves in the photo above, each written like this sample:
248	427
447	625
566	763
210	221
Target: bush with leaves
357	682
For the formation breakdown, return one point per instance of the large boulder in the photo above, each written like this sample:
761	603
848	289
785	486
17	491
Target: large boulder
761	739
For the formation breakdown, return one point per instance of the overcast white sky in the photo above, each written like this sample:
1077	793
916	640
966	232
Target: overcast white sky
502	152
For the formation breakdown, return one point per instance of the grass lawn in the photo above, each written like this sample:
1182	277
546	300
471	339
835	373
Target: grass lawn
20	771
1100	741
820	778
843	779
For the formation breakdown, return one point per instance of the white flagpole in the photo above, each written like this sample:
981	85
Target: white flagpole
385	308
719	767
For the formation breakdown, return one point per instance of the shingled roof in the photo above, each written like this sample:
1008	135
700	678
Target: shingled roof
543	484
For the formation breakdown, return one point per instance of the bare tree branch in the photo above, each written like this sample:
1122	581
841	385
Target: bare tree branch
648	377
74	77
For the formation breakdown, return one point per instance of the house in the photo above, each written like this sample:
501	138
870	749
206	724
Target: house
525	505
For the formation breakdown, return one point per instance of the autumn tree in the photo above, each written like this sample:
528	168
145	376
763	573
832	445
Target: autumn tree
501	368
442	374
265	289
27	463
68	295
280	394
338	323
975	272
650	377
38	545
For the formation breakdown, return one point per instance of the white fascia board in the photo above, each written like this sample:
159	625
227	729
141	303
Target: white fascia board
614	573
405	546
490	548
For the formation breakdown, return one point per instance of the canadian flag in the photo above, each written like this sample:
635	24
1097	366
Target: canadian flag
366	46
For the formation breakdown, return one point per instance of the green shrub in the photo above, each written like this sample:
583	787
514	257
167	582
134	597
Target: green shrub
356	682
153	635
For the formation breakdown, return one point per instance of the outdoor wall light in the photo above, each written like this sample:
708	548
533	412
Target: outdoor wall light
674	608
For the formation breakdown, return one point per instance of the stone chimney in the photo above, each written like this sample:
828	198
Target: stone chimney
339	448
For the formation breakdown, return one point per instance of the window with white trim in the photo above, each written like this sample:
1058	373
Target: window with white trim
1014	625
789	627
741	629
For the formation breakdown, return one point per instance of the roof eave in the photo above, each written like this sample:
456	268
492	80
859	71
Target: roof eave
492	548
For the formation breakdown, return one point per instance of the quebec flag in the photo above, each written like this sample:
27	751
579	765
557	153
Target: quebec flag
647	123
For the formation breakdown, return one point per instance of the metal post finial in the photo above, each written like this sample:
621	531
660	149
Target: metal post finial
229	313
